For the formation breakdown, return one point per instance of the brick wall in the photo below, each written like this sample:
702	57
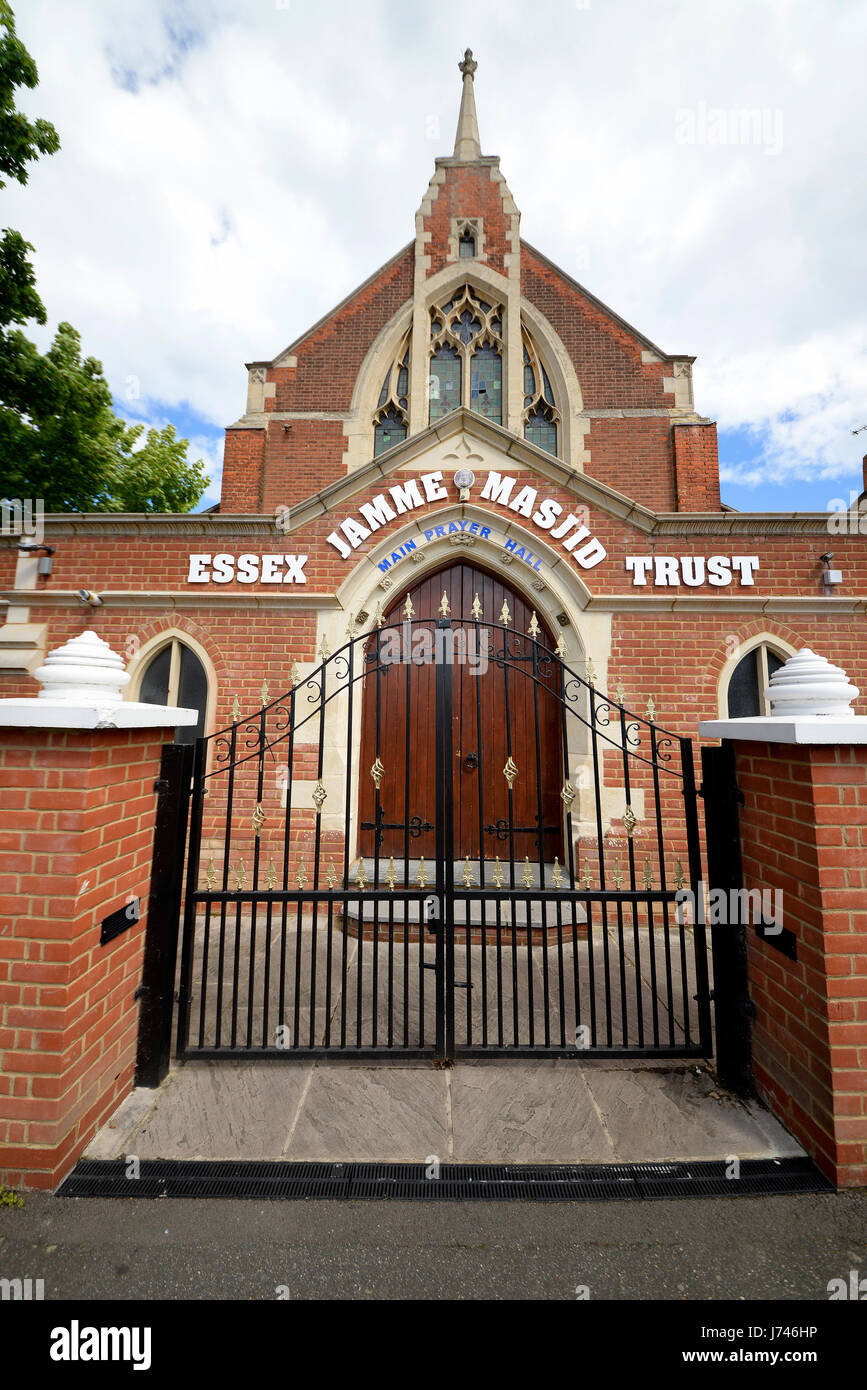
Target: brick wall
635	457
605	353
804	831
76	832
243	460
330	356
468	192
303	457
696	468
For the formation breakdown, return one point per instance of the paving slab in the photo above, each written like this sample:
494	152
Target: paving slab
392	1114
222	1110
486	1111
526	1112
679	1113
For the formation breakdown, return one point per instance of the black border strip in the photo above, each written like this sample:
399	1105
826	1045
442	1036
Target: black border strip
408	1182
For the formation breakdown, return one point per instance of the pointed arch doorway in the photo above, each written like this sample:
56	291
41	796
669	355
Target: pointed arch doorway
498	711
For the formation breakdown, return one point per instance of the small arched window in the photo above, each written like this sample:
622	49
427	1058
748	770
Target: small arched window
176	677
745	696
466	245
391	417
540	411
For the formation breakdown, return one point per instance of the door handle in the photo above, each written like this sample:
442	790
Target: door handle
471	761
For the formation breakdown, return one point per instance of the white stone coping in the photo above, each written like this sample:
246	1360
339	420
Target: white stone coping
125	714
818	729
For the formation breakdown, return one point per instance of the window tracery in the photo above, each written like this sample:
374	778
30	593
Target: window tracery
466	364
541	416
391	418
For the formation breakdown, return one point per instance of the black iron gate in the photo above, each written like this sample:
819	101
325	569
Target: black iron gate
297	944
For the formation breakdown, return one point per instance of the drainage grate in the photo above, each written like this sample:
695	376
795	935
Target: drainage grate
407	1182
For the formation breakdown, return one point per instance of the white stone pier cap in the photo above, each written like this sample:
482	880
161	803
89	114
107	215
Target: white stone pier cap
82	688
811	702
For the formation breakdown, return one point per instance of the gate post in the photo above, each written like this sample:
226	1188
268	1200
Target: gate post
157	987
445	974
733	1009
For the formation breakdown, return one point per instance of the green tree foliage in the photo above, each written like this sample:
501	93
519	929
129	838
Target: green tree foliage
60	439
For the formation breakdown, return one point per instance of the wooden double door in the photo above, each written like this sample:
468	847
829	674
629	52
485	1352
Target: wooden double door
504	705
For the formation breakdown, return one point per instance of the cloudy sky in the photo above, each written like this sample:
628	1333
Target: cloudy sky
230	169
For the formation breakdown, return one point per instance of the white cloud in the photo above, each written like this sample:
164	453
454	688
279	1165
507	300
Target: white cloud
231	168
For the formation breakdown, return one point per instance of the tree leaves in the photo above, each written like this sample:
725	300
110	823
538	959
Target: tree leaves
60	440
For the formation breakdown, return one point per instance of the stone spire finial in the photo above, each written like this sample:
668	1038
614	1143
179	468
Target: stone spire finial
467	143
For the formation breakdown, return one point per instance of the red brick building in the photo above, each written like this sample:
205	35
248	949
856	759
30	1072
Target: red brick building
469	348
469	437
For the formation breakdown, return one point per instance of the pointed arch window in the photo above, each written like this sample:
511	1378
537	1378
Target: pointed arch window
175	676
745	694
541	416
466	365
391	417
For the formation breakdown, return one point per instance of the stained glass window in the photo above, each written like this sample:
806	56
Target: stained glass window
390	430
542	432
445	383
486	384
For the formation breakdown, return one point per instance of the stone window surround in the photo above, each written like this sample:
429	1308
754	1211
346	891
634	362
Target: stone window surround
476	228
779	645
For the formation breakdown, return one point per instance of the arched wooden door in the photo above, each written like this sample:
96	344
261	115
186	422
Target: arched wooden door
498	710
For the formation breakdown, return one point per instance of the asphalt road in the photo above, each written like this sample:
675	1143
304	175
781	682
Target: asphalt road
746	1248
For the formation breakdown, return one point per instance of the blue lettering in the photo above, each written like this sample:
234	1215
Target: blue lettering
441	530
485	533
428	534
385	565
474	526
511	545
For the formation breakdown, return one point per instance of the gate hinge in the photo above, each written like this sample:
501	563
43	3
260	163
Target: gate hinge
162	784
